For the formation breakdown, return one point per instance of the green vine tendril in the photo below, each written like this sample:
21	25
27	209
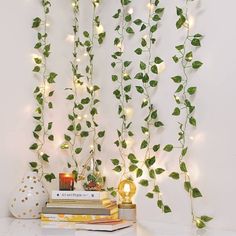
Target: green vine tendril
148	69
43	94
122	92
182	96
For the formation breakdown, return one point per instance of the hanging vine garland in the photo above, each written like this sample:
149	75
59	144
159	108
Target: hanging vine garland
92	100
184	106
122	92
72	142
43	94
148	76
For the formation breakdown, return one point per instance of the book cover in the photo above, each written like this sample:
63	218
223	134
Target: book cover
106	226
75	218
81	203
81	211
79	195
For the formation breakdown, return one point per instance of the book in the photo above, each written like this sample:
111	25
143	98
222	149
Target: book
81	211
80	203
75	218
104	225
79	195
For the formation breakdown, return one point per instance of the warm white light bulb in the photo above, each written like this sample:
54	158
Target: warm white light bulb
70	38
147	133
78	60
150	6
131	11
100	29
145	100
145	36
85	116
47	25
126	188
41	153
161	67
91	146
125	74
85	54
73	4
91	88
79	118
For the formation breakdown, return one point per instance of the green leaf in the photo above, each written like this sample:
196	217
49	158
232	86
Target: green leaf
45	157
179	47
33	164
143	182
117	169
180	21
67	137
36	69
36	22
51	137
156	189
187	186
70	97
150	195
154	69
156	147
160	204
166	209
132	167
153	83
206	218
189	56
174	175
159	171
183	167
142	65
180	88
138	51
115	162
78	150
153	28
196	42
179	11
143	42
196	193
197	64
200	224
184	151
101	134
177	79
138	22
175	59
114	78
192	90
128	18
192	121
139	173
144	144
84	134
50	177
158	60
129	30
139	89
152	174
127	63
158	124
176	112
86	34
168	148
34	146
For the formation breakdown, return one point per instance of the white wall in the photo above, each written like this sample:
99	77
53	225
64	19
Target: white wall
212	155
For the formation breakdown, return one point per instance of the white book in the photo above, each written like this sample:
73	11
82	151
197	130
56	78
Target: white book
104	226
79	195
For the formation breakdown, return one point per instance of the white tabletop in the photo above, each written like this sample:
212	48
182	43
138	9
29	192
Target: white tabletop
15	227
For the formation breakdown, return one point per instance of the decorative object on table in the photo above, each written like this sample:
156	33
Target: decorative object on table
79	206
66	181
126	190
29	198
94	182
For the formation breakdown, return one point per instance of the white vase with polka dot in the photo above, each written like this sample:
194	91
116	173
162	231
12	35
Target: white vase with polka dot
29	198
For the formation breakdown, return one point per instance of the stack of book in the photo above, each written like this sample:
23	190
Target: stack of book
79	206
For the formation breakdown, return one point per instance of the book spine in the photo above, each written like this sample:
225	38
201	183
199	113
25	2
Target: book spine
76	195
75	218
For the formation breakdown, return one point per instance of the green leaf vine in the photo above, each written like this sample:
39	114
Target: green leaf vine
148	77
72	140
97	35
183	98
122	93
83	124
43	94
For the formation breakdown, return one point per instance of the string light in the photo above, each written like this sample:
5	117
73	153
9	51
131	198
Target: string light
91	88
79	118
161	67
70	38
100	29
128	111
145	36
145	100
91	146
147	133
47	25
120	46
78	60
41	153
85	116
73	4
125	74
150	6
131	11
85	54
96	3
34	56
189	23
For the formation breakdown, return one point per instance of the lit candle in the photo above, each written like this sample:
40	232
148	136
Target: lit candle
66	182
